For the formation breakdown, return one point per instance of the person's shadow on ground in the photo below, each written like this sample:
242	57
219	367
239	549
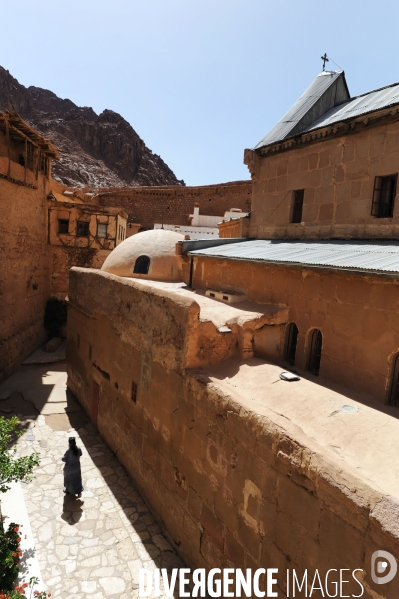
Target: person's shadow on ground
72	509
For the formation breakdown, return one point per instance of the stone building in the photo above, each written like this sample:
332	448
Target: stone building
244	469
179	353
25	284
323	234
80	234
44	230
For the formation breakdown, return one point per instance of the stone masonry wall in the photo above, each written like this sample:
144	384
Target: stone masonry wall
356	315
24	270
338	178
149	205
233	488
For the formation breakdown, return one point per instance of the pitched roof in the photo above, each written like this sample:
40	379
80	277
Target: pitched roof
325	102
374	100
378	257
327	90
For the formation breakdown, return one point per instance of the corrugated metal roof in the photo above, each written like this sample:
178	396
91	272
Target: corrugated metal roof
303	107
377	257
375	100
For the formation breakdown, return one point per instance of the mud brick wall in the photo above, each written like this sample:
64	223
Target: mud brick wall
25	270
338	178
355	313
233	488
149	205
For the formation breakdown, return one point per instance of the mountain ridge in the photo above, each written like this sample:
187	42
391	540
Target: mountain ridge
96	150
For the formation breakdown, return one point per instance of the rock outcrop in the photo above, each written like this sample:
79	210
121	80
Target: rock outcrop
96	150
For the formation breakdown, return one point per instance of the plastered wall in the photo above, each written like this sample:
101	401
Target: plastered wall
338	178
233	488
356	315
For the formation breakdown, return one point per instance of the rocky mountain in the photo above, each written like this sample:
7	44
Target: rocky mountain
96	150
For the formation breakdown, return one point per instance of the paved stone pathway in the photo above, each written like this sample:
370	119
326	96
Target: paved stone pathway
92	547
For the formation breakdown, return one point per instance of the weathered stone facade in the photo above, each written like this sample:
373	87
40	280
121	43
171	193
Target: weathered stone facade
172	205
25	169
355	313
337	174
236	483
68	248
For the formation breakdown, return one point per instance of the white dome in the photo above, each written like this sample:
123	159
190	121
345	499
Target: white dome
146	255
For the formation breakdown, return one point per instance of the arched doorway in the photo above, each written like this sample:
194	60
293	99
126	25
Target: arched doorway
291	339
393	398
316	342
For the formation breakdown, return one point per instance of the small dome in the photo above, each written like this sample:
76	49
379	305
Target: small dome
146	255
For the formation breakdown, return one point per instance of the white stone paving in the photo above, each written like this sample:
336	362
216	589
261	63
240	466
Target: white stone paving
92	547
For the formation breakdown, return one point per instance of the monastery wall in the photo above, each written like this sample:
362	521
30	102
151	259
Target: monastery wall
356	314
233	487
338	178
63	258
173	204
24	271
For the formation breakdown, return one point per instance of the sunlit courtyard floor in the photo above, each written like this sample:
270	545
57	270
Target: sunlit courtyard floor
92	547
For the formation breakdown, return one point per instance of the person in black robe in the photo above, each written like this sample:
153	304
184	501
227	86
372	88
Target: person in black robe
72	473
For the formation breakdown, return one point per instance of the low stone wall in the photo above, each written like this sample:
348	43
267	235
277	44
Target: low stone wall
233	488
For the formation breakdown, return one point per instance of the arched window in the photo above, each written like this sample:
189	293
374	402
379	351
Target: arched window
316	342
291	338
142	265
394	389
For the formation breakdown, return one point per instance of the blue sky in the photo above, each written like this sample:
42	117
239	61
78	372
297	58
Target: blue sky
198	81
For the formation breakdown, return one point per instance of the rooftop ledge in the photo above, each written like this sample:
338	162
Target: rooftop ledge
354	435
221	314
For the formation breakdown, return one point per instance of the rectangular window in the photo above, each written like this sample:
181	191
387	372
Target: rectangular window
384	196
83	229
102	230
297	207
63	226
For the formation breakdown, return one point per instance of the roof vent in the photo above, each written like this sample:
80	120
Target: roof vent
228	297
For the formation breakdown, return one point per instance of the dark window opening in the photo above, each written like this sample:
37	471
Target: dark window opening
21	159
298	196
134	392
394	389
384	196
142	265
63	226
43	165
316	342
225	297
83	229
291	338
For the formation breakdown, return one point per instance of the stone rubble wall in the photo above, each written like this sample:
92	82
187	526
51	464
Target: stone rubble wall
233	488
173	204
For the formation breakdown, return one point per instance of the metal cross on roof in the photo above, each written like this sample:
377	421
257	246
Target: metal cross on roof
325	59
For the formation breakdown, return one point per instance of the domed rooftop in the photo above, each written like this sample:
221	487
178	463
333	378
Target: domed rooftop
147	255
